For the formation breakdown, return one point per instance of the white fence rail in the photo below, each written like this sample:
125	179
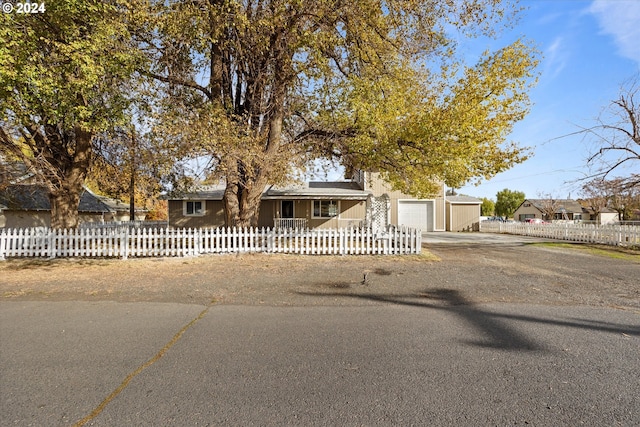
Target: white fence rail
168	242
123	224
299	223
615	235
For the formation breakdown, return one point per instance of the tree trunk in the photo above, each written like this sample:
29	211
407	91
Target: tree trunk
242	202
64	196
242	195
132	179
64	208
250	202
231	198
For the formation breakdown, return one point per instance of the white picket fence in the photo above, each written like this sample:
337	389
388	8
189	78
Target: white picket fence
170	242
615	235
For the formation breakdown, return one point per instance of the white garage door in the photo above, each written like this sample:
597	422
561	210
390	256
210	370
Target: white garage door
416	214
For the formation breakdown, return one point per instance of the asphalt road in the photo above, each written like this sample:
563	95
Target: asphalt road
161	364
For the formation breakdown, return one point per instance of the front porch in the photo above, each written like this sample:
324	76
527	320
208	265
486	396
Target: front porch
303	223
291	223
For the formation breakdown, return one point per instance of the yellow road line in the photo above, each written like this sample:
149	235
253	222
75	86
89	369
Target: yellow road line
141	368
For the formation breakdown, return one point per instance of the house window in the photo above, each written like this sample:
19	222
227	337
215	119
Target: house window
194	208
325	208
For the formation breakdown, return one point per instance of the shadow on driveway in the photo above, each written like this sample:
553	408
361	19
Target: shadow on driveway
491	326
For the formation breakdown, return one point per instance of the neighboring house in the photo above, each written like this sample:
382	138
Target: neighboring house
565	209
365	199
119	211
463	213
606	216
27	205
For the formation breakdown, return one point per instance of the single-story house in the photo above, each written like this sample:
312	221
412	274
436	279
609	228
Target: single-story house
565	209
27	205
363	200
463	213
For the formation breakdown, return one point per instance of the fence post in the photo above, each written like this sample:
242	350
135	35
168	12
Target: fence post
198	244
126	243
3	237
619	236
52	243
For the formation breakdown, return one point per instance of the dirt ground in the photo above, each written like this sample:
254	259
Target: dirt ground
454	274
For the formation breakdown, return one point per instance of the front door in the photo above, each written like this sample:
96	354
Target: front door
286	209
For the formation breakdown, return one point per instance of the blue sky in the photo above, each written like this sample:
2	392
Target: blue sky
589	49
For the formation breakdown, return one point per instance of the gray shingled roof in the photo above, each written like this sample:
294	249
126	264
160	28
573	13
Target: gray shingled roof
36	198
569	205
343	190
209	194
117	205
463	200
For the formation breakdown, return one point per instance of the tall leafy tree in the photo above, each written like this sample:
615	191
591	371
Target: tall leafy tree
61	76
507	201
488	207
263	86
127	166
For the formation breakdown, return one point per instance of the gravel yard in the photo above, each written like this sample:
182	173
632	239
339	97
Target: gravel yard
464	272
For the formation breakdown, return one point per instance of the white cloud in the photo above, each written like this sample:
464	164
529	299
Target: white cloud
621	20
555	57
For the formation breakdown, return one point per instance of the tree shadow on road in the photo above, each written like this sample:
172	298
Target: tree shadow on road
492	327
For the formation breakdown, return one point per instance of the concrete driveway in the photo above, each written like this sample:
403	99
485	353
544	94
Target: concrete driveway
445	237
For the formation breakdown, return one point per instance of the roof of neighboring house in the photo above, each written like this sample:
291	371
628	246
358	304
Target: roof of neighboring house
117	205
603	210
569	205
12	172
342	190
466	200
36	198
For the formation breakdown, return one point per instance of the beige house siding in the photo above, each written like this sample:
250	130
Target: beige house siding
463	217
440	213
379	187
267	213
352	212
27	219
213	216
